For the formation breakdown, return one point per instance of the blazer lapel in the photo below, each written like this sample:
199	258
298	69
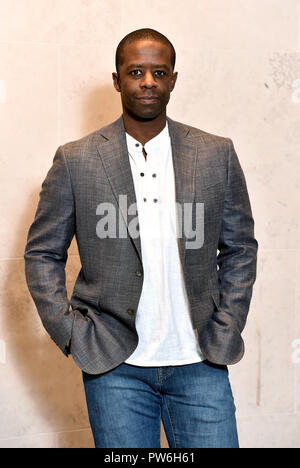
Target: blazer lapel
184	152
114	154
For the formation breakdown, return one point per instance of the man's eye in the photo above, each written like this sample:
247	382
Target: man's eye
136	72
159	73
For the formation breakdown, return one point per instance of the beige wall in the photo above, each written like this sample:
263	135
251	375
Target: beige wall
238	63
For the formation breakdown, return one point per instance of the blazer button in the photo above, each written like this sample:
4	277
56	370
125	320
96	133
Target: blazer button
139	273
130	311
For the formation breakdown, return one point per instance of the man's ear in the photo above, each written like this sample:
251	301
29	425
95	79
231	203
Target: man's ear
174	79
116	80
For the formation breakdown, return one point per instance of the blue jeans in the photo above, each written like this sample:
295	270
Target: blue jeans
194	401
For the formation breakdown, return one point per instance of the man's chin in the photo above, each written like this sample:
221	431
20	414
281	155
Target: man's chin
146	115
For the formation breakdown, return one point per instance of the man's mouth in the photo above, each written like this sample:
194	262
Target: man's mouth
148	99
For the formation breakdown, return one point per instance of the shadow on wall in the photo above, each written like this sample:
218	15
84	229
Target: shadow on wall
43	388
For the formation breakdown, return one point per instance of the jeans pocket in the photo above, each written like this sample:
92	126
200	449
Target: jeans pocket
215	366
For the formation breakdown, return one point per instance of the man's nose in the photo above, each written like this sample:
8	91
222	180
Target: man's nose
148	80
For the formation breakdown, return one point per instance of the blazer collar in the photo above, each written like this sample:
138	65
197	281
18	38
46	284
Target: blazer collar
114	130
112	149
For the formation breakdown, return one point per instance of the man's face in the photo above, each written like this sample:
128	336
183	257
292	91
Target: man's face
145	79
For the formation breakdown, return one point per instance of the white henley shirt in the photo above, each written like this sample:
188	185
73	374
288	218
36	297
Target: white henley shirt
163	321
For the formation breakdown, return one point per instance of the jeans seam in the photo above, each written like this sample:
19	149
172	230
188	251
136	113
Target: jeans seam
171	422
159	380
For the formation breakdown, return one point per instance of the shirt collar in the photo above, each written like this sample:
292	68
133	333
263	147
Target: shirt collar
152	146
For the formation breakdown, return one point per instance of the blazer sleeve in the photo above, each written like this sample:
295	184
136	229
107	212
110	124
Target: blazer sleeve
237	262
48	240
237	259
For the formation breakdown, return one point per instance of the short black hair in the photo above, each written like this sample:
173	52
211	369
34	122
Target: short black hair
144	34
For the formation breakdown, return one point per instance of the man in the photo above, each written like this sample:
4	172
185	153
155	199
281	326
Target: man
154	318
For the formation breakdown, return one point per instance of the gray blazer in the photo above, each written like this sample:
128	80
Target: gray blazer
99	318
